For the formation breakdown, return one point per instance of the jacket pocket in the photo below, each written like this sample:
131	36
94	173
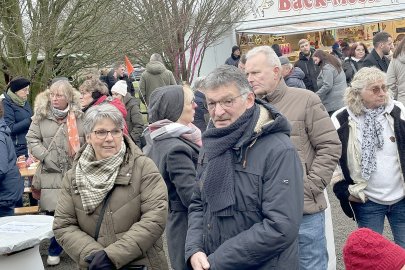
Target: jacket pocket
247	190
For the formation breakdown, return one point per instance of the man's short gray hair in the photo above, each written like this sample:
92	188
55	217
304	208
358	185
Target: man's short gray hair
100	112
268	52
198	84
156	57
227	75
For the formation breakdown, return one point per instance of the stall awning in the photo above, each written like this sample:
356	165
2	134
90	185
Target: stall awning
322	21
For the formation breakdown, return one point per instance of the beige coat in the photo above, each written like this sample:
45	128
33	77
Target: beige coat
396	78
314	137
54	158
134	219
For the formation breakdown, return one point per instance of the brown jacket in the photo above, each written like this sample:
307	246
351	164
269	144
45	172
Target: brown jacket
314	137
133	222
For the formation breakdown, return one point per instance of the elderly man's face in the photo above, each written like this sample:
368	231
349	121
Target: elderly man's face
285	70
262	75
374	95
225	104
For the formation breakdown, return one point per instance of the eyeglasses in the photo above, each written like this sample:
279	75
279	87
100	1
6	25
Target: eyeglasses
376	90
102	134
57	96
227	103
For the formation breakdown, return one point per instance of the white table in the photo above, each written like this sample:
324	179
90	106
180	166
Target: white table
20	237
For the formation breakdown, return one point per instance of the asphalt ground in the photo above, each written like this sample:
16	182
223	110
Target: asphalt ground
342	227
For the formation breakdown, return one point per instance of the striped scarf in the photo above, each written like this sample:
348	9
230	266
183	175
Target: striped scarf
95	178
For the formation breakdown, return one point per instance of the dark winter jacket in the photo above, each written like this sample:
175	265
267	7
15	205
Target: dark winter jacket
18	119
350	67
295	78
133	119
233	60
11	184
176	159
342	118
262	232
311	71
201	116
374	60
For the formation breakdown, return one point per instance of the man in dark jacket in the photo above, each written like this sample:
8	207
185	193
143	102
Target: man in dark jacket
11	185
233	60
293	76
248	201
316	141
115	74
306	64
382	42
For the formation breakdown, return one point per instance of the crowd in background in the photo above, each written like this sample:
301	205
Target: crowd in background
233	169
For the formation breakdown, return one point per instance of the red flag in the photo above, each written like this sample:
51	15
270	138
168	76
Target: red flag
129	66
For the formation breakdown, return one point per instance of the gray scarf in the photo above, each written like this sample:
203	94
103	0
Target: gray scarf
95	178
372	139
60	114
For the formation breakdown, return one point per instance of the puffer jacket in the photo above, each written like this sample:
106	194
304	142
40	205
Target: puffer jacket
262	232
18	119
396	78
332	85
133	119
11	184
55	161
315	138
155	75
134	219
295	78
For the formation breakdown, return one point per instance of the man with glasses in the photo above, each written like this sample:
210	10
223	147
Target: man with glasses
247	205
382	42
315	139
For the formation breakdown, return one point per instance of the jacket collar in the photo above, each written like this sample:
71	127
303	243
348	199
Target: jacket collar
278	94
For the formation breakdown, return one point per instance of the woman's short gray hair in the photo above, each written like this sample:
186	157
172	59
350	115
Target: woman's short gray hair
361	80
227	75
100	112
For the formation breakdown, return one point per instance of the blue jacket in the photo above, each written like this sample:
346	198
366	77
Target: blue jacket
295	78
18	119
11	184
262	233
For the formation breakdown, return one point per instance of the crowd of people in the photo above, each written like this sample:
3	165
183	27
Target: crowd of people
233	170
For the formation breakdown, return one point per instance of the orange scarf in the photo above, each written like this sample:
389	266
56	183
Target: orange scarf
74	142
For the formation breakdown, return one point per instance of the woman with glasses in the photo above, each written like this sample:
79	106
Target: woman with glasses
54	137
371	129
358	51
113	206
173	143
17	113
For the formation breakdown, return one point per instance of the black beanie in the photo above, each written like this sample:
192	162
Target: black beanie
166	102
18	84
235	48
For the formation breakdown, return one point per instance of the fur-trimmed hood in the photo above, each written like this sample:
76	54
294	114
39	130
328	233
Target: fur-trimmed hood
42	105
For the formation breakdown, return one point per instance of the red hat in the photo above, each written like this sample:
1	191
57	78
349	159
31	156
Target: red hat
366	249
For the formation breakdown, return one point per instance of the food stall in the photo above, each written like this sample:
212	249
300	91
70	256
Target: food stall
322	22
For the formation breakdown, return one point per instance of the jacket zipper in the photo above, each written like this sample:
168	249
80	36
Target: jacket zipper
246	152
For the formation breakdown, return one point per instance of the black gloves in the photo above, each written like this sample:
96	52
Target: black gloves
99	261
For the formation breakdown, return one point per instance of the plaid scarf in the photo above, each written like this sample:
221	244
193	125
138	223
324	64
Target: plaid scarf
95	178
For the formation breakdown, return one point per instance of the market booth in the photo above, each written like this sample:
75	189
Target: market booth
322	22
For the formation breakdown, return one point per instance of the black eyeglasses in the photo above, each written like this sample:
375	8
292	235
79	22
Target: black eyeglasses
102	134
227	103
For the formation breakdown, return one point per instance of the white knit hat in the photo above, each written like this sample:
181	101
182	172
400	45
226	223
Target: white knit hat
120	87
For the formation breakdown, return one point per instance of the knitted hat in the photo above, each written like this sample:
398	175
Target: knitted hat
335	46
18	84
166	102
284	60
120	87
235	48
365	250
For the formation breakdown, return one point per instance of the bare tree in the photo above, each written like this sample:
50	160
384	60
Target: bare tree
44	38
182	29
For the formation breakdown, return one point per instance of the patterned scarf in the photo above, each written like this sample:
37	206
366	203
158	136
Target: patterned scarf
95	178
16	99
73	134
219	176
372	138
